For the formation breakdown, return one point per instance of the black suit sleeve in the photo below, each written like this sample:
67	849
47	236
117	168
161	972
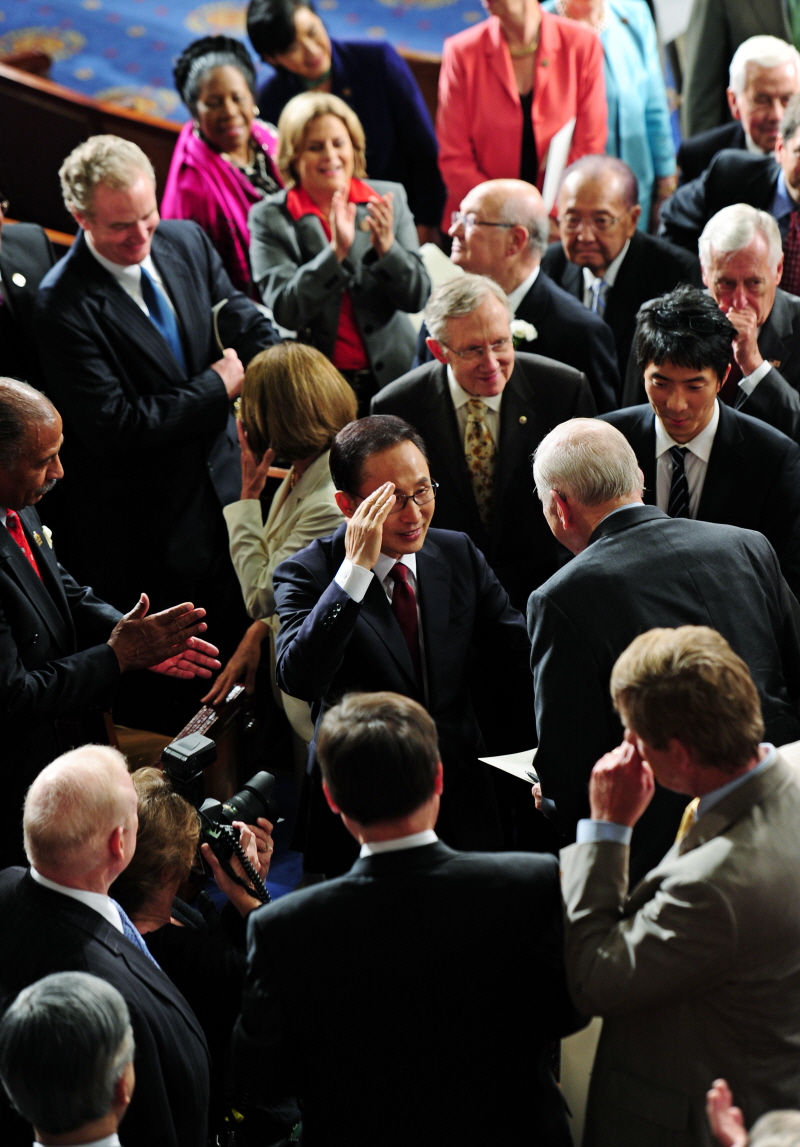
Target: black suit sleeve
780	522
685	214
776	402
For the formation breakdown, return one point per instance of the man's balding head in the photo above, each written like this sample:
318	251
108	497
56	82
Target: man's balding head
30	440
505	231
598	210
21	407
78	813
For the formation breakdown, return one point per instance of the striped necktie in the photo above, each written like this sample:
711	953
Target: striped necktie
162	317
679	490
600	289
132	933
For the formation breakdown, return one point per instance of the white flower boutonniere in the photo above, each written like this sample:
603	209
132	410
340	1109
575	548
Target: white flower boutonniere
523	332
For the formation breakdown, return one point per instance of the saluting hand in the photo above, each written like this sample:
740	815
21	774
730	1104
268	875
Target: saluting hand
364	535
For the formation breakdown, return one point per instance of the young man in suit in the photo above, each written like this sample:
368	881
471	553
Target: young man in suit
701	458
764	75
603	258
481	399
80	833
696	971
634	568
130	355
431	984
387	603
501	230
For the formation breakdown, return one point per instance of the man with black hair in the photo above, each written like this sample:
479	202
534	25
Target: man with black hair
386	603
434	962
701	458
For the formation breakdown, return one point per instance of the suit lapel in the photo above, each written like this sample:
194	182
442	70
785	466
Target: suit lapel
52	608
631	272
642	436
572	281
727	455
448	442
433	580
737	804
377	612
515	436
775	339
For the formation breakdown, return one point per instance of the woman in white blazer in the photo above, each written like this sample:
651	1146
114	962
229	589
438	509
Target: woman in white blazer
294	402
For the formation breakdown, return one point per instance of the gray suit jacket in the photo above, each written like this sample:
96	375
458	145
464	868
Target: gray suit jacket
715	31
697	972
302	281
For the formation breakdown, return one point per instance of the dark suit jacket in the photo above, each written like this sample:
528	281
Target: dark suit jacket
329	645
752	480
640	570
41	932
54	665
401	939
650	268
695	153
567	332
153	453
731	177
539	395
26	255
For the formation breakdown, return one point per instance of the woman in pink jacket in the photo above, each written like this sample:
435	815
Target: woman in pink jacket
223	160
506	86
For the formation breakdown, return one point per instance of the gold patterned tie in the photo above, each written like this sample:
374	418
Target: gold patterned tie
688	819
481	454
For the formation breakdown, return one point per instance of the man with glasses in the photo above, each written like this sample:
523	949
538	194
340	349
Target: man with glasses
482	409
603	259
385	603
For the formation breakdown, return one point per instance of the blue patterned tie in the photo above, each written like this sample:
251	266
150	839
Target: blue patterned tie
679	489
162	317
600	290
130	932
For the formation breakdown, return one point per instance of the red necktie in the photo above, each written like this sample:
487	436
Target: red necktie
14	527
790	279
404	607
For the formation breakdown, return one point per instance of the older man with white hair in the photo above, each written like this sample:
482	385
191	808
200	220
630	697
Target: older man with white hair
636	568
80	832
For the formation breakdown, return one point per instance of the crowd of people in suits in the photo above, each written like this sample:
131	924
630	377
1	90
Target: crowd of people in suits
548	497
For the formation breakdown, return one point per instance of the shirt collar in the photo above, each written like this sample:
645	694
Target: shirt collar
701	444
710	799
106	1141
414	840
782	204
461	398
611	273
752	146
384	565
104	905
132	273
516	296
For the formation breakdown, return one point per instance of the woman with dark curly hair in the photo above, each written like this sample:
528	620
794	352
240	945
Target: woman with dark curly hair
222	163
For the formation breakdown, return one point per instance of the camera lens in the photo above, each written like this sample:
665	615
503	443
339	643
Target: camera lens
253	800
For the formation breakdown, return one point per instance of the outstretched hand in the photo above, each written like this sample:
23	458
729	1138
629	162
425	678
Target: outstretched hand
199	660
142	642
726	1121
254	473
364	534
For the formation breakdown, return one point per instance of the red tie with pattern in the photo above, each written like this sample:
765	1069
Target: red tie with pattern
404	607
14	527
790	279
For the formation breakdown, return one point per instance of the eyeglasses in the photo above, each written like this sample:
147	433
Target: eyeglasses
676	320
420	497
476	353
600	223
467	220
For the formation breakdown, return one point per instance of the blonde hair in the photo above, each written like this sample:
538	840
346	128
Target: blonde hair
294	401
296	119
689	684
106	159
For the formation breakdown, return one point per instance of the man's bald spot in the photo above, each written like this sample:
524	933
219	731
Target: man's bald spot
590	460
21	408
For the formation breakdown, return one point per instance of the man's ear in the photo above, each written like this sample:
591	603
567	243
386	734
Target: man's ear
116	842
436	349
517	239
332	805
438	780
562	509
345	503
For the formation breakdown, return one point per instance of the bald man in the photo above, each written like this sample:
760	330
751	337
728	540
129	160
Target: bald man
80	833
602	259
501	230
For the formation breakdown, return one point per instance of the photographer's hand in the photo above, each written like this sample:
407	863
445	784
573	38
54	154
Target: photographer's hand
243	901
263	837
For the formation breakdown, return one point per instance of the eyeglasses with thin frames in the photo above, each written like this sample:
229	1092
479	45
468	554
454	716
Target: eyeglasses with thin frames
467	220
420	497
476	353
573	223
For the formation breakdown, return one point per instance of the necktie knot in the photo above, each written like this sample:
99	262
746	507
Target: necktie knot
476	409
399	572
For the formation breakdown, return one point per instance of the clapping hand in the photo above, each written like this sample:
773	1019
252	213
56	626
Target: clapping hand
380	220
727	1121
343	225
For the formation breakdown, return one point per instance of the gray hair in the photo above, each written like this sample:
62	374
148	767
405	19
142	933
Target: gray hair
734	228
586	461
105	159
764	52
64	1044
776	1129
73	805
458	297
524	211
21	406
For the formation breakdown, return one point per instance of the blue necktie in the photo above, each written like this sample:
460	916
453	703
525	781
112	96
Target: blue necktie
599	297
130	932
162	317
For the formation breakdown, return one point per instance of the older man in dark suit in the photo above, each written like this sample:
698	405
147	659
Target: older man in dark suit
636	568
603	258
482	410
132	355
80	833
410	974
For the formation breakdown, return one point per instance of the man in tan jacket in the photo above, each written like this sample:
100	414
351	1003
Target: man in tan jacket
697	971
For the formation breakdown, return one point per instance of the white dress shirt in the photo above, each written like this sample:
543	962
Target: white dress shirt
610	277
106	1141
698	452
461	398
399	844
94	900
130	277
516	296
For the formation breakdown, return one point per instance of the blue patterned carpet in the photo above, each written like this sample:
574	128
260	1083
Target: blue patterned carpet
123	50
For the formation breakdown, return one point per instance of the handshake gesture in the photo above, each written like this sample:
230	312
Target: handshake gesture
165	642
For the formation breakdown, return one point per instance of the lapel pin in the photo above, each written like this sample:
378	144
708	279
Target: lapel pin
523	420
776	362
37	538
18	280
544	63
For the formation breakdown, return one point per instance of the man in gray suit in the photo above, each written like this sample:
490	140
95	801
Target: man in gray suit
696	973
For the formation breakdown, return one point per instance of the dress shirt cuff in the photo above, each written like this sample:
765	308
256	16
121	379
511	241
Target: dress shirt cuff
354	580
751	381
591	831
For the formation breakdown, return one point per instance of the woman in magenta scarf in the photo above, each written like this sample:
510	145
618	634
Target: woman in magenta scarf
222	164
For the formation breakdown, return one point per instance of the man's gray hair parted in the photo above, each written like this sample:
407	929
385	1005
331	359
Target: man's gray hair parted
587	461
734	228
100	159
458	297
